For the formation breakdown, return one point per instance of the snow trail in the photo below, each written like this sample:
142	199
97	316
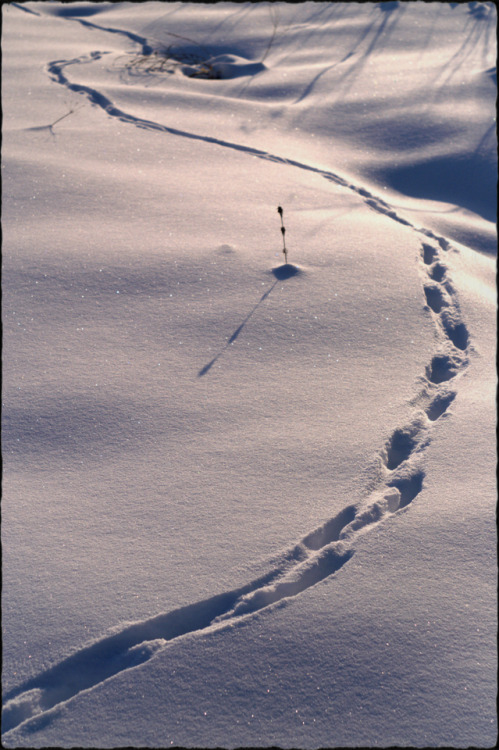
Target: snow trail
55	71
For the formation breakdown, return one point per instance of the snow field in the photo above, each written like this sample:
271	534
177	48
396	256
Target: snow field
244	507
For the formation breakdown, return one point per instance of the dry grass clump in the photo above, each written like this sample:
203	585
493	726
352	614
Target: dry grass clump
170	59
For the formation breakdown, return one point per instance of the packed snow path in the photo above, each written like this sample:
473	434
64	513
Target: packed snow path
320	553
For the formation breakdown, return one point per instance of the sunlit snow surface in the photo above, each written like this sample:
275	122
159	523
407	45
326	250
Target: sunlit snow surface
249	503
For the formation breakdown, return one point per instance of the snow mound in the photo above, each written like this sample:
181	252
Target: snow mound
223	66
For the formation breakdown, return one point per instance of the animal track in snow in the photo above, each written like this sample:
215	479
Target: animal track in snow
434	297
378	205
55	70
441	368
318	556
442	301
439	405
429	254
400	454
330	531
455	329
409	483
437	271
403	443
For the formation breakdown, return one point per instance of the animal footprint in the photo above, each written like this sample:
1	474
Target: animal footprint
434	297
429	254
441	299
402	444
439	405
443	367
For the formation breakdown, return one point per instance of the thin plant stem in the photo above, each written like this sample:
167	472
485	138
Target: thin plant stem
283	232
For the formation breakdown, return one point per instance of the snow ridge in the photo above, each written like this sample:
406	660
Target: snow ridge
320	554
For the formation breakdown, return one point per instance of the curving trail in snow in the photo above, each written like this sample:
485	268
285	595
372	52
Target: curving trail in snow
320	553
56	68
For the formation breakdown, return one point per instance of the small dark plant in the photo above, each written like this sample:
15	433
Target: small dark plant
192	59
283	232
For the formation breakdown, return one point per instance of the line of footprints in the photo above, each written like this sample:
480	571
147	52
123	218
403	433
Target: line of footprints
399	455
318	555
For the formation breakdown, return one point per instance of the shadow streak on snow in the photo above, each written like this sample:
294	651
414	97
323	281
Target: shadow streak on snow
448	178
75	9
26	10
281	273
286	271
375	36
206	368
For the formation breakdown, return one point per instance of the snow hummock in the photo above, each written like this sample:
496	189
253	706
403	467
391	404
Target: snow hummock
248	495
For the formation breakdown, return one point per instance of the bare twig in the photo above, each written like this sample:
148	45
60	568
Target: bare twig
283	232
51	126
71	111
274	15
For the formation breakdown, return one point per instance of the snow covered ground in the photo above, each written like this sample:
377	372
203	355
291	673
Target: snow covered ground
248	503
